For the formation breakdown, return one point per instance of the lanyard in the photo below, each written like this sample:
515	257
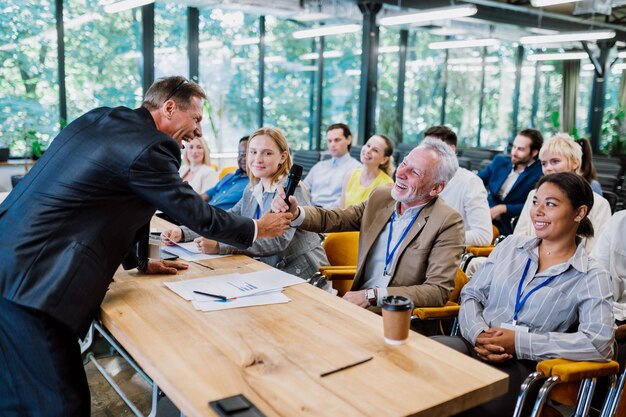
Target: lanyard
389	256
257	215
519	302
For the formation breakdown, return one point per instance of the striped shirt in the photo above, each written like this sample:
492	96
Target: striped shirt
580	296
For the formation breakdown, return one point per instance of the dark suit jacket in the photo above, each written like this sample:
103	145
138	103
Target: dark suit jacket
493	177
69	223
425	266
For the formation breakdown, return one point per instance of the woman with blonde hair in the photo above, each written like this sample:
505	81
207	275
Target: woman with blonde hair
297	252
196	168
562	154
377	160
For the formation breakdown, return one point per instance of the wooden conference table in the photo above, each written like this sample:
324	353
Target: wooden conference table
274	354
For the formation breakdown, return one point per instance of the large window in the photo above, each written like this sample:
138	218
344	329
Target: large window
102	57
29	97
288	81
170	40
342	63
423	88
388	61
229	54
549	98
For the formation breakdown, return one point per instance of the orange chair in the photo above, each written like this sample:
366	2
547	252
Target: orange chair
484	250
452	307
226	170
342	250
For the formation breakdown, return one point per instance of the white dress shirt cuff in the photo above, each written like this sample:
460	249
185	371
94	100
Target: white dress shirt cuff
382	293
256	230
300	219
523	345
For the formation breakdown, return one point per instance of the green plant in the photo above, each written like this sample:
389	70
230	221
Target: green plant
614	130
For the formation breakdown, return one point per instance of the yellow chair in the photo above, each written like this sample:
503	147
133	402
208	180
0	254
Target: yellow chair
226	170
342	251
452	307
573	383
484	250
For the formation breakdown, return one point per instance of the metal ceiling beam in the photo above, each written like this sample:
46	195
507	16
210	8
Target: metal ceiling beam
511	14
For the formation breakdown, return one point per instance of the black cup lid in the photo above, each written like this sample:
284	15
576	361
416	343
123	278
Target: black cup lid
397	303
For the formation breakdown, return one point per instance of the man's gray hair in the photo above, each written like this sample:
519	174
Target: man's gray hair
448	161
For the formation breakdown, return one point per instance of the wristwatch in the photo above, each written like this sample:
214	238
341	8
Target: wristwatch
371	295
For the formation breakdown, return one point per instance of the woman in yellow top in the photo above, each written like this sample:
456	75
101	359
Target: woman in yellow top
376	171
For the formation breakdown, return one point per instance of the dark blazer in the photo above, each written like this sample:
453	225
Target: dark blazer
493	177
67	226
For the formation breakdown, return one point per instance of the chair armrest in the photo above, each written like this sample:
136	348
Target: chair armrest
450	310
338	272
479	250
569	371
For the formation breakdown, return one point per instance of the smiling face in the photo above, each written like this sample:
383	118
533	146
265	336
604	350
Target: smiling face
414	178
521	154
373	152
241	155
552	163
264	157
183	125
194	152
337	142
553	215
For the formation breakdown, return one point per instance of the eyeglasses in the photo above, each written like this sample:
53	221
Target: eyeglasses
171	94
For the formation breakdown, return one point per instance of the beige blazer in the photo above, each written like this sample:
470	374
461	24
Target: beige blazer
426	263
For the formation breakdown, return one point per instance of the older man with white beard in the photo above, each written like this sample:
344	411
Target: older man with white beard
410	240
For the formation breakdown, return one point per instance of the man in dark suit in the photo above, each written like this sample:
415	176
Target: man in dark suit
509	179
72	220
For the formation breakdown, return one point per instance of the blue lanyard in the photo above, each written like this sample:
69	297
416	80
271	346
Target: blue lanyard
519	302
389	256
257	215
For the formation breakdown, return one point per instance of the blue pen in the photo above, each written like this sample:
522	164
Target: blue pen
221	297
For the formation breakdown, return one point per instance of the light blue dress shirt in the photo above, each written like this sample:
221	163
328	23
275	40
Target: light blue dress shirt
325	180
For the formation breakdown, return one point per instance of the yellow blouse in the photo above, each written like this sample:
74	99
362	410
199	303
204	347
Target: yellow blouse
356	193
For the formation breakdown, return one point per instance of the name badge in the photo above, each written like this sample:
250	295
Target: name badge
514	327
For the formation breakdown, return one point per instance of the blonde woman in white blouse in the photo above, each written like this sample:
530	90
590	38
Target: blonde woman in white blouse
196	167
562	154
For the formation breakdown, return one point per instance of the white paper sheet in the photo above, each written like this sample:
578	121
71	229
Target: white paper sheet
234	285
187	255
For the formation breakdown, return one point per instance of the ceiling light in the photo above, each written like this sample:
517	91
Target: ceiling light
309	68
120	6
275	59
546	68
325	31
618	67
544	3
251	41
588	67
621	54
471	60
430	14
563	56
590	35
327	54
470	43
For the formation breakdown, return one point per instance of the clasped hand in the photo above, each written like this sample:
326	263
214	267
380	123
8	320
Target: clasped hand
279	205
495	344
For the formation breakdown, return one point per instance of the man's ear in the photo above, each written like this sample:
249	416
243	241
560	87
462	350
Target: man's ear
168	108
437	189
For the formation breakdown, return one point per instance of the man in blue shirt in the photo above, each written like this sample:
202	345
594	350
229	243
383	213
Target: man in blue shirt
228	191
